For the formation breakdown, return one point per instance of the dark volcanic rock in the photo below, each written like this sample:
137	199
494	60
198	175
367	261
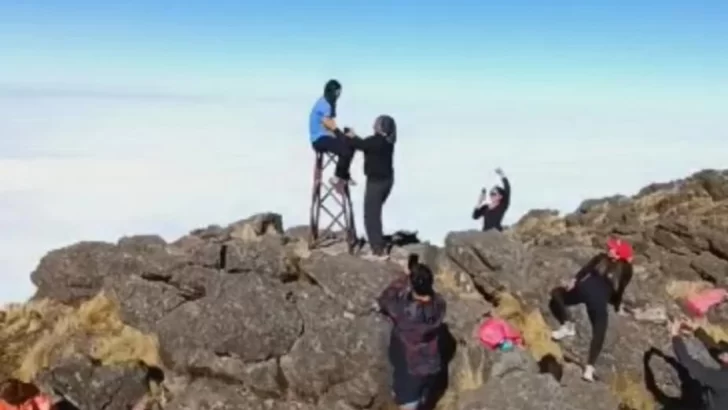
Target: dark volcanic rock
251	319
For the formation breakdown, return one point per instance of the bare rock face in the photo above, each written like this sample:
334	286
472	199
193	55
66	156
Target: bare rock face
248	318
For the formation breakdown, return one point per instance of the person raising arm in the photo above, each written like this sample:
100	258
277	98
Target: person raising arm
493	210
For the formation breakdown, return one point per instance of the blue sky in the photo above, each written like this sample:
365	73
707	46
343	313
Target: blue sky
137	117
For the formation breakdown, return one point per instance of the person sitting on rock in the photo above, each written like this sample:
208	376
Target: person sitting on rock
594	286
714	380
378	152
417	313
493	209
326	136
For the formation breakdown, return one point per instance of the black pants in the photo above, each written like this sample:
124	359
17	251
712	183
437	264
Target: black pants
342	148
407	387
376	194
596	298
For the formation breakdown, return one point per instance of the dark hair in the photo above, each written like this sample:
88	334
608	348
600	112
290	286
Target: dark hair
386	126
420	277
499	190
608	266
331	90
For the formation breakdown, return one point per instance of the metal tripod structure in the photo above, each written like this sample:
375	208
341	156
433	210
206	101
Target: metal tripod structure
336	206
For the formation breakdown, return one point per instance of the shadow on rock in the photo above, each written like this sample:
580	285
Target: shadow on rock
691	391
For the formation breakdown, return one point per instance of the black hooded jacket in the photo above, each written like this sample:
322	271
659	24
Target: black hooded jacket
714	380
331	94
378	149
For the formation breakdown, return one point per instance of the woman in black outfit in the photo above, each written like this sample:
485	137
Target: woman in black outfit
601	282
378	152
494	210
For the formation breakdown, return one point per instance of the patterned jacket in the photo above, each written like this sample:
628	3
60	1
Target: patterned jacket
417	326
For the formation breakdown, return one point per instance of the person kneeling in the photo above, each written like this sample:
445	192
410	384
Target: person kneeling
417	315
599	283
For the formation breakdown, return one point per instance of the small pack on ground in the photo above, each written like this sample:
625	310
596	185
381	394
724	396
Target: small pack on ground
39	402
699	303
496	333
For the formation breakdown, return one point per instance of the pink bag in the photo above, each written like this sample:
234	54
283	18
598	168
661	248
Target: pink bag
493	332
700	303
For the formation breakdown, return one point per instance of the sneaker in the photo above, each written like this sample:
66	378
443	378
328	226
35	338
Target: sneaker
588	373
340	184
566	330
375	257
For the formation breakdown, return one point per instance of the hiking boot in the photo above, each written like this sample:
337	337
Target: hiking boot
376	257
588	373
566	330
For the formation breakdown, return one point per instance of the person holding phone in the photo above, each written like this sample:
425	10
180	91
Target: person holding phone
417	313
492	206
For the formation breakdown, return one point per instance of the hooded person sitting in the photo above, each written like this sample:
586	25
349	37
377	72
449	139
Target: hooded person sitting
325	135
417	313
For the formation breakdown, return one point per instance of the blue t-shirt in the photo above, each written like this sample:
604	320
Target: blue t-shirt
321	110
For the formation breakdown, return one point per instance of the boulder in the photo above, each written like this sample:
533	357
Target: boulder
246	316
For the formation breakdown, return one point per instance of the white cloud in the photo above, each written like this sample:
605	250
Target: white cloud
78	168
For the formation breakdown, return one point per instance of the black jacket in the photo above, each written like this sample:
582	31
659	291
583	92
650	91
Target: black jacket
378	156
493	218
616	284
714	380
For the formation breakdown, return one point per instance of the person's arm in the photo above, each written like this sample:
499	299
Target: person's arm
588	268
506	188
705	338
713	378
367	144
625	278
481	208
390	295
323	111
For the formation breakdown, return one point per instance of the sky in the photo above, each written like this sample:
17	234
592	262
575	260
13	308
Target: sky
135	117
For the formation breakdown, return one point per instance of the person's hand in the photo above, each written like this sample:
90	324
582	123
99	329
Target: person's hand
499	172
675	327
570	284
690	325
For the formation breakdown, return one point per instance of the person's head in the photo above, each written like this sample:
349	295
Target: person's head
332	91
618	256
386	126
619	250
421	278
496	194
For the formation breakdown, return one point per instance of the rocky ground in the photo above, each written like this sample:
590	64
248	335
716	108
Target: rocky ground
246	317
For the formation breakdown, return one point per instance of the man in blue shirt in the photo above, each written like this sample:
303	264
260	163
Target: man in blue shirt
326	137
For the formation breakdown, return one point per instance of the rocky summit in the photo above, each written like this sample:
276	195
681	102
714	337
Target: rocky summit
247	317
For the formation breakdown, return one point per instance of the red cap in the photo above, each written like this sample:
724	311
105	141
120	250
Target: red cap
621	248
